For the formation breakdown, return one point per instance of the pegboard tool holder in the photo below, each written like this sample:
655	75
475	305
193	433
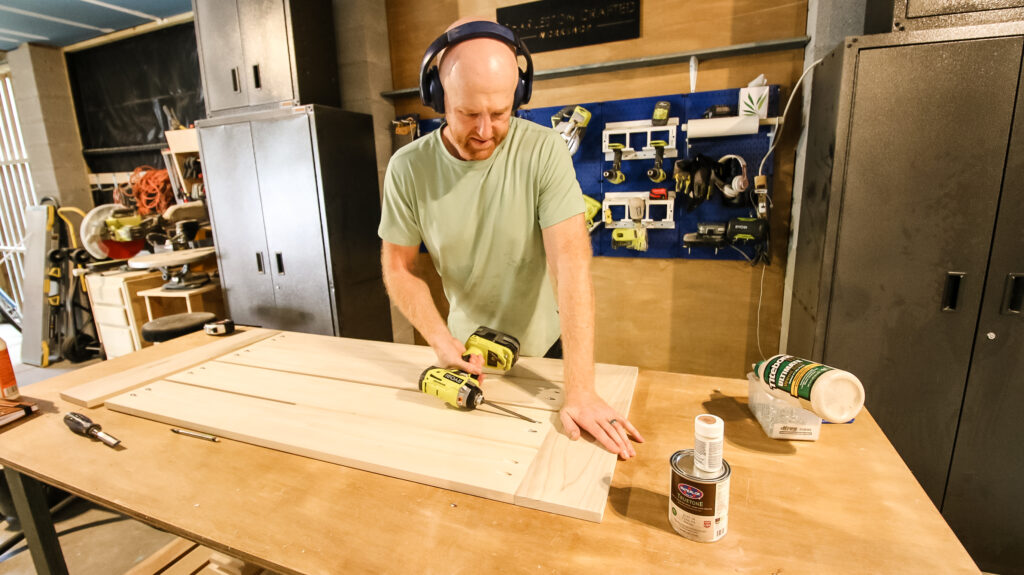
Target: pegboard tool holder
645	127
625	199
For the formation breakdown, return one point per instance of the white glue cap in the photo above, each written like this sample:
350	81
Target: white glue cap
709	426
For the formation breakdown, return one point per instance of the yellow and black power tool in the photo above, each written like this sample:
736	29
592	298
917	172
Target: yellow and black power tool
499	350
462	390
458	389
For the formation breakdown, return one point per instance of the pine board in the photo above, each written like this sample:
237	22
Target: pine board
356	403
94	393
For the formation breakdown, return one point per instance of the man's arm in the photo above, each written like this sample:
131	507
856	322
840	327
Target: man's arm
412	297
568	253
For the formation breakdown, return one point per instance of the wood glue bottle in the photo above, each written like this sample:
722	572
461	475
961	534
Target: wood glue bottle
832	394
8	383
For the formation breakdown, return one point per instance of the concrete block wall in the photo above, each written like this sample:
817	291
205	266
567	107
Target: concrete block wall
47	115
364	71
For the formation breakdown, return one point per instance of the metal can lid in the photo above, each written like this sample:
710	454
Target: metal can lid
682	463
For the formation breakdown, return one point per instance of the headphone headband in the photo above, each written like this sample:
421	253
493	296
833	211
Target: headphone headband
431	91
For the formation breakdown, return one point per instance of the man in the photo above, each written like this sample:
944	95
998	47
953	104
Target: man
496	202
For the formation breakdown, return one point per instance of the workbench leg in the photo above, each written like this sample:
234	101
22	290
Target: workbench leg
37	524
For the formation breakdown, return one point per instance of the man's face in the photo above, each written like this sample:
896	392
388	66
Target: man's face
478	117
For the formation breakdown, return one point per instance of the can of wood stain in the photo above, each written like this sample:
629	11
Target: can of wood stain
698	503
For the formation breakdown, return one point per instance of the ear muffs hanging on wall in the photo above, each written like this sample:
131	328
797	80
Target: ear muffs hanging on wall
739	183
431	91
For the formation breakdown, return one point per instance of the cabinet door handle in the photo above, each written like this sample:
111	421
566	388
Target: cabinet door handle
280	263
256	76
952	292
235	85
1013	294
259	263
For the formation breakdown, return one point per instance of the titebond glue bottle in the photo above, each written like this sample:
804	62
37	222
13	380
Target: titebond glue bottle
832	394
8	383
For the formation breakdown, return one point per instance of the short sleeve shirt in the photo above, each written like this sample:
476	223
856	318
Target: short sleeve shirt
481	222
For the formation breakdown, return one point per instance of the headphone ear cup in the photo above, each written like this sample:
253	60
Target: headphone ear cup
436	90
517	100
739	184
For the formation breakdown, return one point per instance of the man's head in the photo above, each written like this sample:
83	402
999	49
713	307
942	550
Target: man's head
479	76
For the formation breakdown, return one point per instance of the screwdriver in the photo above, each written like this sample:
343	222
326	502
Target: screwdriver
82	425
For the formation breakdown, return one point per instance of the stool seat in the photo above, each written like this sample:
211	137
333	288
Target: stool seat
172	326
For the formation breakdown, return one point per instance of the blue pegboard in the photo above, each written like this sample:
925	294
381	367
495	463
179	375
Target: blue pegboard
590	164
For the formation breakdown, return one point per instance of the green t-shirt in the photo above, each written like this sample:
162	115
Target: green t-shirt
481	222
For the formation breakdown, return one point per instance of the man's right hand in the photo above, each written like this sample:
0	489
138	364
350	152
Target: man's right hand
449	355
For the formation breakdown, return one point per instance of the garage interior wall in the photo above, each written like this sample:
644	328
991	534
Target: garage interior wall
682	315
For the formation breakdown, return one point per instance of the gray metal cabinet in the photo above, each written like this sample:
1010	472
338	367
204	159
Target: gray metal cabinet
265	54
924	14
230	167
908	242
296	236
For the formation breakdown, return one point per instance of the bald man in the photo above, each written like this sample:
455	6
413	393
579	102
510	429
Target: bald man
496	203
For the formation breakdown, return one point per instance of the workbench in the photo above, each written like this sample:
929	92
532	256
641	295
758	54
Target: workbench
844	504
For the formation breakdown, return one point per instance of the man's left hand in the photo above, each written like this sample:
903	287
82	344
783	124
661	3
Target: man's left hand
586	410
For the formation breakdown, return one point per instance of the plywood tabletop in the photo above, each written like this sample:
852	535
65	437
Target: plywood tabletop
844	504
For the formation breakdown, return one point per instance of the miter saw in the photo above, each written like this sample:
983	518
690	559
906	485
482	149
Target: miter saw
118	232
176	267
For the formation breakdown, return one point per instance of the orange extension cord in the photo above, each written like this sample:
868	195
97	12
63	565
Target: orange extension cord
149	189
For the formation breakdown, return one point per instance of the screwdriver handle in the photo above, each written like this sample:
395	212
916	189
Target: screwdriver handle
82	425
79	423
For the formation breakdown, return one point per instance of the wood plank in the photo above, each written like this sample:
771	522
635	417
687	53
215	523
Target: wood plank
535	383
367	390
383	403
333	519
576	475
166	555
94	393
459	461
419	355
190	564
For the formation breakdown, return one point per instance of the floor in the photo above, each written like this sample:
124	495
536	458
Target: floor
95	541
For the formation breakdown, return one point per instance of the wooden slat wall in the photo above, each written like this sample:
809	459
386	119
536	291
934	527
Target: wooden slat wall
688	316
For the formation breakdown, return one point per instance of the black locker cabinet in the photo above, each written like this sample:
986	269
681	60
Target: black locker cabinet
263	54
294	205
910	259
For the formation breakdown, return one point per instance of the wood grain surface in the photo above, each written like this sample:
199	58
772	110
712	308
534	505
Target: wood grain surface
94	393
357	403
844	504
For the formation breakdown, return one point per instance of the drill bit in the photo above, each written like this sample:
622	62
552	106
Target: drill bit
509	411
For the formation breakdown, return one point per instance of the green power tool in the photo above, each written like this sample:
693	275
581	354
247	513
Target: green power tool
499	350
459	389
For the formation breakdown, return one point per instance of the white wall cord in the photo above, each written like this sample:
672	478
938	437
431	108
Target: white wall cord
764	267
760	172
782	120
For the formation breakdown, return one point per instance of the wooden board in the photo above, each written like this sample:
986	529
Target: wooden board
356	403
94	393
166	556
294	514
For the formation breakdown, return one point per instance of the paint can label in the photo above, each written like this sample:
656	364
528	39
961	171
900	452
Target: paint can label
698	509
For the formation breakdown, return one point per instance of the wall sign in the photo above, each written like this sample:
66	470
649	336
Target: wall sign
558	24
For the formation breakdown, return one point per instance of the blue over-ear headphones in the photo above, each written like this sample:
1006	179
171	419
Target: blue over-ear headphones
431	91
